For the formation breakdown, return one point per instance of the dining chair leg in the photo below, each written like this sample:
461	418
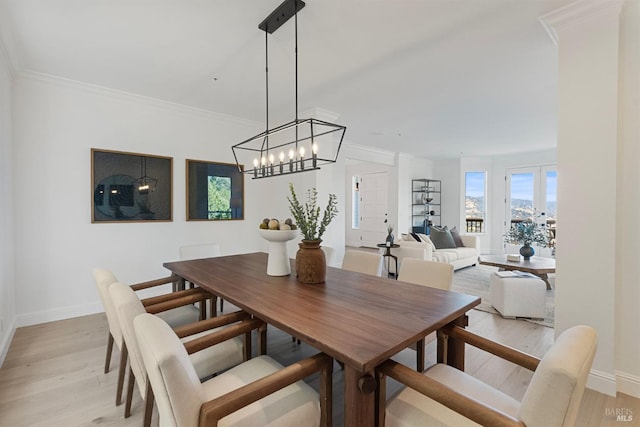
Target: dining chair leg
107	360
203	309
121	371
148	406
326	395
221	305
247	346
127	407
420	355
262	339
381	399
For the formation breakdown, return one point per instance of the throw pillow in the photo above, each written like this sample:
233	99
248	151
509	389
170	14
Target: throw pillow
416	237
441	238
456	237
424	238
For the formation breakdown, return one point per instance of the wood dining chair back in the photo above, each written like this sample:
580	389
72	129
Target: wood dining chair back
446	396
427	273
259	392
363	262
215	359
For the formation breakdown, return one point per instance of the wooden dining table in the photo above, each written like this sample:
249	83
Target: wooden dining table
358	319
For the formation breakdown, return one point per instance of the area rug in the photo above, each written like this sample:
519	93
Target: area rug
475	281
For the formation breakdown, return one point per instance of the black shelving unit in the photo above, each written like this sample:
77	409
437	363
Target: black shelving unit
426	201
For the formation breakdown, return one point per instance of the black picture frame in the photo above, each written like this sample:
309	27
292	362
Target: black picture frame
130	187
215	191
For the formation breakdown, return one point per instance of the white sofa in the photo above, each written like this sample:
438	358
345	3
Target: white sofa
458	257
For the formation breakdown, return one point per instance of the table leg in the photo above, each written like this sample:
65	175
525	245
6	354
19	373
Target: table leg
359	398
395	259
545	278
451	350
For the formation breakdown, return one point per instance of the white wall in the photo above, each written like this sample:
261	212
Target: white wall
56	124
589	270
627	294
448	171
7	272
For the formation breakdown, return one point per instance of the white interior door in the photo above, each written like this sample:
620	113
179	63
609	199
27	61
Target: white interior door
528	191
373	208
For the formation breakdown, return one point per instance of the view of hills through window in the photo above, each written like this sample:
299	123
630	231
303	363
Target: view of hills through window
523	205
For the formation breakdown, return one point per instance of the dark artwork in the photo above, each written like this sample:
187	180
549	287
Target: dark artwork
215	191
130	187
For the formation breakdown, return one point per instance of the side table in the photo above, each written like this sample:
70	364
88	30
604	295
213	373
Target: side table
388	255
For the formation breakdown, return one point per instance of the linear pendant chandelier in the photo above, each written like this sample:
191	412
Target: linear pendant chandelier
295	146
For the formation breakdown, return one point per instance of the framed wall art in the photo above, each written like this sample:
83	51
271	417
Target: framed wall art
130	187
215	191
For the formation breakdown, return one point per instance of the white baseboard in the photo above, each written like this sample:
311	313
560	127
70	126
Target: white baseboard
6	341
37	317
628	384
602	382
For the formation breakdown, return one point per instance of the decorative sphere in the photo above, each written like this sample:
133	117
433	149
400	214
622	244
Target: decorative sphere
274	224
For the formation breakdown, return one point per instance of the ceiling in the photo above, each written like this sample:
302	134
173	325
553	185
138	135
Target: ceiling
433	78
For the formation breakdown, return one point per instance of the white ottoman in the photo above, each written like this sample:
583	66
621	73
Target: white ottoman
518	296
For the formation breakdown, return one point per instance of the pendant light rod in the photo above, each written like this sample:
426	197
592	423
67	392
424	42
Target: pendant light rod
280	15
295	19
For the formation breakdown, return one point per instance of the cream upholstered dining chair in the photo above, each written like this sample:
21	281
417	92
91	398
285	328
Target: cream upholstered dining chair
206	362
445	396
426	273
363	262
175	316
329	254
259	392
204	250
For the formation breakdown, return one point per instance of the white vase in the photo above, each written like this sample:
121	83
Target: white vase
278	263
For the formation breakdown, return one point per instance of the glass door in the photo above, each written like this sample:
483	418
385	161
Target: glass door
531	195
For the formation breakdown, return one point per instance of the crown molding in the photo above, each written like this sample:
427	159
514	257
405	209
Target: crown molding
132	97
575	12
367	154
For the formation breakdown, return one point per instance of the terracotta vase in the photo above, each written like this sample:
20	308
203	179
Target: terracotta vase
311	264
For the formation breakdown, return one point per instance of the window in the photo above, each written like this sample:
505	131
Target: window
355	198
531	192
474	197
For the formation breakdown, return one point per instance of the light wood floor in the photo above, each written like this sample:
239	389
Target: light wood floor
53	373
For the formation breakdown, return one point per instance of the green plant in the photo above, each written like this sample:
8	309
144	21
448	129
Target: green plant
307	216
528	231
